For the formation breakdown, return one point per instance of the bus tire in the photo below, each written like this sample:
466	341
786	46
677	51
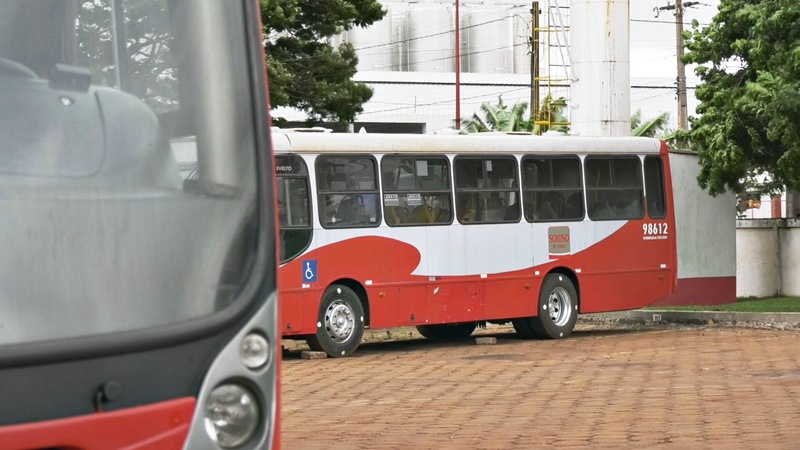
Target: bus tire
447	331
340	323
558	308
523	327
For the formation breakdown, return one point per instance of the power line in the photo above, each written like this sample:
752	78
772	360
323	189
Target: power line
431	35
477	84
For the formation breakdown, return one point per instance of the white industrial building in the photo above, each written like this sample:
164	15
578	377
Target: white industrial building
408	58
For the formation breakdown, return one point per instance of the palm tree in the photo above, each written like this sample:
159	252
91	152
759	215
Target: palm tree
498	118
549	116
656	127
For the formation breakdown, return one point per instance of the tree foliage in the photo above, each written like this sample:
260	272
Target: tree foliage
749	65
498	117
655	127
306	71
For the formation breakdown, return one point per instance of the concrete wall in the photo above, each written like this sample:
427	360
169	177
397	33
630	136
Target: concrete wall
706	225
767	257
706	239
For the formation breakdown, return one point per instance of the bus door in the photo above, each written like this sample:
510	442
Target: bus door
295	237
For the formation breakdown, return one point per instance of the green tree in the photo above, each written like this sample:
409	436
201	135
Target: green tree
655	127
305	71
498	118
749	65
550	116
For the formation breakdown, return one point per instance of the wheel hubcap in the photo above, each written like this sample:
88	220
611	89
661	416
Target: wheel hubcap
560	306
339	321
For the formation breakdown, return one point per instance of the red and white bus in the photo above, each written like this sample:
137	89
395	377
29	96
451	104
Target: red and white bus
449	232
138	303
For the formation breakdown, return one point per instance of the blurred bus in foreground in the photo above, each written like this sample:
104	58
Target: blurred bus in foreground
137	306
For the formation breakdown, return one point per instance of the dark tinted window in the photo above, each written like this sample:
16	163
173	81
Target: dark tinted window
654	182
487	190
347	189
294	206
614	188
552	188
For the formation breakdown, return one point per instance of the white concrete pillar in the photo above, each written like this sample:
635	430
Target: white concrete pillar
600	61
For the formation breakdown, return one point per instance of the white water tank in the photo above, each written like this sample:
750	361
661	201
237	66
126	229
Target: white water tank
600	89
374	46
490	41
430	38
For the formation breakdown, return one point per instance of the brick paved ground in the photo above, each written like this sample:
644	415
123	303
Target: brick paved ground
670	388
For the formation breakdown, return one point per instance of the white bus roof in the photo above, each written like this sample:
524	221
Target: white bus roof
461	144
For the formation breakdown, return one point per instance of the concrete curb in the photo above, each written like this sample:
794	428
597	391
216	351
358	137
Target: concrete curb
780	321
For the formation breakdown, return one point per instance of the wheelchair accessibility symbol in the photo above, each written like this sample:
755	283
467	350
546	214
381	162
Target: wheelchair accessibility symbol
310	270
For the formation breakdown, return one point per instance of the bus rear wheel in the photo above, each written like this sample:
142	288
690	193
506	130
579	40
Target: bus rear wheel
340	324
447	330
523	327
558	308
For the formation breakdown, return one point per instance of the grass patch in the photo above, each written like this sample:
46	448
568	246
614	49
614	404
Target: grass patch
745	304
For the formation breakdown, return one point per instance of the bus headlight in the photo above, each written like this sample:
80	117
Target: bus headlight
232	415
254	351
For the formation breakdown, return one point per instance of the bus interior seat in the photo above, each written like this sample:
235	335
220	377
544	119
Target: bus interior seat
529	211
574	206
349	211
122	144
473	208
551	207
422	214
512	213
9	68
442	215
396	215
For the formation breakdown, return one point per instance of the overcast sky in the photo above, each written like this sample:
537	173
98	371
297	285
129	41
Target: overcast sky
653	54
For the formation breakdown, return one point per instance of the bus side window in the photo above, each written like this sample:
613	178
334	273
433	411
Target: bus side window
655	189
416	190
615	192
552	188
487	188
351	199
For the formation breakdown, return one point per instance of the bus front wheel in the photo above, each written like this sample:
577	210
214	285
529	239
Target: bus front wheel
558	308
340	324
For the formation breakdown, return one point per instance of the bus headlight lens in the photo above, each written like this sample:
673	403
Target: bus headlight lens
254	351
232	415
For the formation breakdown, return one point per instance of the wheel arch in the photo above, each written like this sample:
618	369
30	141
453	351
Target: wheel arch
573	277
360	291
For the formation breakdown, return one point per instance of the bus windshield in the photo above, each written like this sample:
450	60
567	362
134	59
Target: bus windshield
128	171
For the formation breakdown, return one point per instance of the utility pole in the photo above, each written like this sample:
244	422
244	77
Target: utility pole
457	125
534	60
679	7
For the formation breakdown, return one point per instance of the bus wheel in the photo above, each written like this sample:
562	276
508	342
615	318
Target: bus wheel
558	308
523	327
447	330
340	325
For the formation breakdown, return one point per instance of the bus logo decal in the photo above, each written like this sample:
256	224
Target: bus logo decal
558	241
310	270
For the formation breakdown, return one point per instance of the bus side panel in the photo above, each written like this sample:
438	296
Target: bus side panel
510	297
622	291
411	304
452	301
292	311
630	269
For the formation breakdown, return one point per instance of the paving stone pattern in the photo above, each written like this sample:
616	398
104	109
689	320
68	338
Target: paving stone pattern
639	388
